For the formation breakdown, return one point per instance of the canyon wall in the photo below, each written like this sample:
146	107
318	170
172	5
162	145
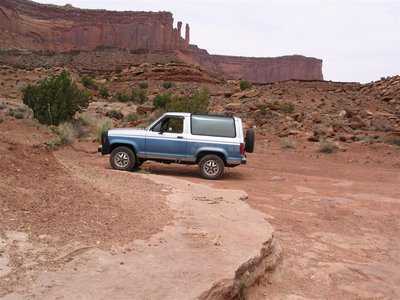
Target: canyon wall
258	69
26	25
32	26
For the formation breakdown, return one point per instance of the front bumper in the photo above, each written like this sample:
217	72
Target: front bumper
100	149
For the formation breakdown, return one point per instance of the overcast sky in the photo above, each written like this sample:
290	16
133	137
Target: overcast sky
357	40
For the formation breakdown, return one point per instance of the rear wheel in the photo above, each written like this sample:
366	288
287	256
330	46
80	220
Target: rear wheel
211	167
122	158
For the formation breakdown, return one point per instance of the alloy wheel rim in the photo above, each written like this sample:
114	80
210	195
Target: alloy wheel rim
211	168
121	160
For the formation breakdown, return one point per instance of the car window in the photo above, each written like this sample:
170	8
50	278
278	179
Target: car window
169	124
213	126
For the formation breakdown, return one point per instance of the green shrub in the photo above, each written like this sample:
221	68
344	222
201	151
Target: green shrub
115	114
138	96
55	99
89	83
245	85
103	91
102	125
287	143
143	85
123	97
161	101
393	140
286	107
197	103
167	85
18	115
64	135
327	147
131	117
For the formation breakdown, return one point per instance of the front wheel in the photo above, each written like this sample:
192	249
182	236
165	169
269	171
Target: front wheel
122	158
211	167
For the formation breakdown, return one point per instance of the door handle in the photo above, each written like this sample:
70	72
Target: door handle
179	137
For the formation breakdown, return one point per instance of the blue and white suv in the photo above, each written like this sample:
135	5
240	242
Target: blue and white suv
212	142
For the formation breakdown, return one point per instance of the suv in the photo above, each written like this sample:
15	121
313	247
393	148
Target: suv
212	142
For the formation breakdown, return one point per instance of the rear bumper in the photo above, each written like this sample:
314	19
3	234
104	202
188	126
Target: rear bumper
236	162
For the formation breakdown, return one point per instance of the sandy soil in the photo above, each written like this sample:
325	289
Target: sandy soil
48	216
335	215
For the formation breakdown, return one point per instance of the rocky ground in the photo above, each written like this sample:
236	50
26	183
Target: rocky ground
335	214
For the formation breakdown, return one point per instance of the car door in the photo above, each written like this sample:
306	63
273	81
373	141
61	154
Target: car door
167	139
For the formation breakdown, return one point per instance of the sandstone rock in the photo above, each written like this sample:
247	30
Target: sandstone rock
339	128
347	137
239	95
259	69
144	109
356	122
233	106
54	28
37	27
252	93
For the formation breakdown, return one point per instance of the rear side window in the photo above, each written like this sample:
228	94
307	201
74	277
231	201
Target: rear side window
213	126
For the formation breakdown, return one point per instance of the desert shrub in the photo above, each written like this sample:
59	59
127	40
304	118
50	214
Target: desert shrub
55	99
138	96
103	91
18	114
131	117
143	85
197	103
393	140
287	143
118	70
63	135
123	97
286	107
2	106
245	85
115	114
327	147
89	83
167	85
85	119
1	120
102	125
161	101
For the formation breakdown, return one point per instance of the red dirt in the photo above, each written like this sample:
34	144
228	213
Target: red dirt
335	215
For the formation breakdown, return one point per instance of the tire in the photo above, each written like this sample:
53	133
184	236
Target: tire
249	140
211	167
123	159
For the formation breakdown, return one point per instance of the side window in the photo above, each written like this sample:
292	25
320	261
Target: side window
157	127
175	125
170	124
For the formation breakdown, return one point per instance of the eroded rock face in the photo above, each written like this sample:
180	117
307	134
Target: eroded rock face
260	69
28	25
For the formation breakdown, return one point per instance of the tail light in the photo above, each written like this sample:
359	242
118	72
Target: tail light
242	148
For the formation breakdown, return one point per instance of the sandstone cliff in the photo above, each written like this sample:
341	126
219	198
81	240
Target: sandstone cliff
257	69
26	25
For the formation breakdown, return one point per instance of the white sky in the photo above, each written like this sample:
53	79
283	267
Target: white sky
357	40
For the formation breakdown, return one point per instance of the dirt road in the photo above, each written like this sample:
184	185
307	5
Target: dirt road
337	217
